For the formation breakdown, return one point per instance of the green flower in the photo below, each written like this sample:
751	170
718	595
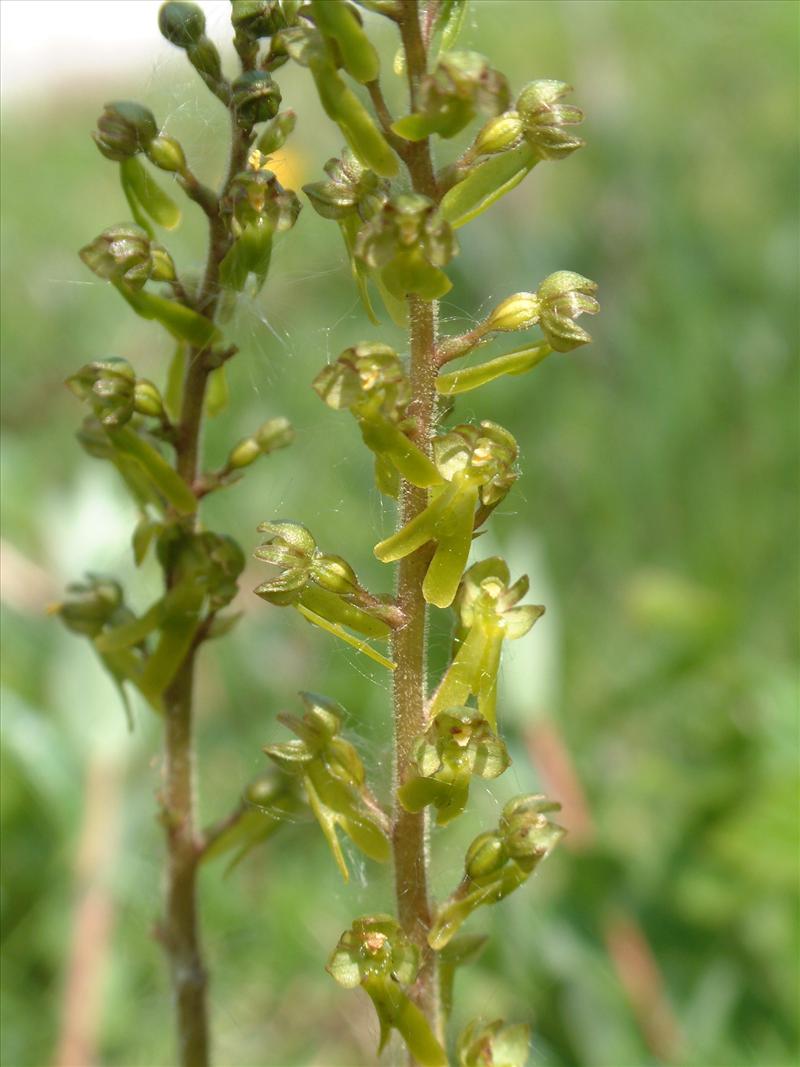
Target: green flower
124	129
351	189
546	122
563	297
322	587
461	84
376	955
488	613
126	255
408	242
458	743
109	386
476	463
332	775
371	382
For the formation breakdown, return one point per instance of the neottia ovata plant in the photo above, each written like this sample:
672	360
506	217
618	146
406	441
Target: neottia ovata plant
399	212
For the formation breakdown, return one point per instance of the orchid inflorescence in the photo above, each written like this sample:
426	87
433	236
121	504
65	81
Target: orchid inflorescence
398	216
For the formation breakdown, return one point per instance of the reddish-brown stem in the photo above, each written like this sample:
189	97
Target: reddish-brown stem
409	644
180	929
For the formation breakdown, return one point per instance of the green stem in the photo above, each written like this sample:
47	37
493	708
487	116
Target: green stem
409	644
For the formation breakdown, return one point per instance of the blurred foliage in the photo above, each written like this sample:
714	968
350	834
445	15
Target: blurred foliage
659	472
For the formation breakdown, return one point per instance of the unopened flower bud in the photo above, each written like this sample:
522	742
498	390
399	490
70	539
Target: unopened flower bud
274	136
256	97
163	269
147	399
265	790
243	454
326	716
165	152
485	856
517	312
182	23
527	832
205	59
274	434
124	129
564	296
547	122
335	574
499	134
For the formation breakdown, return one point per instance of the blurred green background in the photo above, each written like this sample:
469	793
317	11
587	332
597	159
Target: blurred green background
656	514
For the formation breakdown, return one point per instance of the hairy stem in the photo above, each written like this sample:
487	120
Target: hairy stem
181	935
409	649
409	645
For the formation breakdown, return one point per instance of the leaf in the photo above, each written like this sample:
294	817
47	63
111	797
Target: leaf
486	183
367	836
168	483
397	308
138	215
450	19
414	127
250	253
515	362
417	793
139	184
387	476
